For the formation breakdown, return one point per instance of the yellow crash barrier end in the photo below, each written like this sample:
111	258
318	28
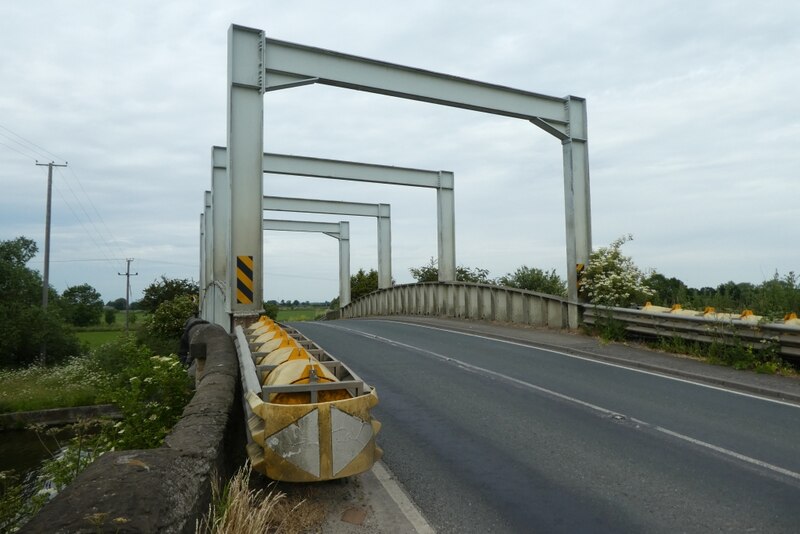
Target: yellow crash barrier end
322	441
292	439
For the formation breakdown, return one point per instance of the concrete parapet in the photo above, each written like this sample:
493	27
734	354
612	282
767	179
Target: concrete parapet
464	300
165	489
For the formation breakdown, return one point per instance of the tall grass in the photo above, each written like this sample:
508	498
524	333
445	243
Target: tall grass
236	508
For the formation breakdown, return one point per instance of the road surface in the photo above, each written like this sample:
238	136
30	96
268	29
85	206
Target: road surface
494	436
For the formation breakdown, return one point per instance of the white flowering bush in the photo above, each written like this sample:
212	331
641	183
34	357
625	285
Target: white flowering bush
612	279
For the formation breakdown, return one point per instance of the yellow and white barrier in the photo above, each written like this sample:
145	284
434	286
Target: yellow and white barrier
308	417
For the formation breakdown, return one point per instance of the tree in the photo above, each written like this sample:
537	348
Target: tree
118	304
667	291
363	283
271	309
170	317
110	315
612	279
167	289
81	305
26	327
430	273
535	279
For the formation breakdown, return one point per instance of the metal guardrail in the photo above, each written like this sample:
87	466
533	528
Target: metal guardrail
708	328
519	306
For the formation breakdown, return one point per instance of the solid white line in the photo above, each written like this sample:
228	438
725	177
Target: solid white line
400	498
573	400
599	362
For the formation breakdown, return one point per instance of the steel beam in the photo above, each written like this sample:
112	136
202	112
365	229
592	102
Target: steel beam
245	139
289	64
340	231
382	212
442	181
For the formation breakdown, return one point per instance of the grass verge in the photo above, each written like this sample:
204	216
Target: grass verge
42	388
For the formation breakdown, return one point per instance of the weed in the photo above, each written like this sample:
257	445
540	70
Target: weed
237	508
609	329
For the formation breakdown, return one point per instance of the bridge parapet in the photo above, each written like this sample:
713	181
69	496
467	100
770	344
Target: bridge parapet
464	300
169	488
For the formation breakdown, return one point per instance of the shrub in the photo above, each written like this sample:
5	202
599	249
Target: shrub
170	317
612	279
535	279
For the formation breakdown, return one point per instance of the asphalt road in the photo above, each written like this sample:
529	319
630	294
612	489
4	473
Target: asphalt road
492	436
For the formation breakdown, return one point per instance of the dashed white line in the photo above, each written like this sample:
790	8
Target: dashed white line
573	400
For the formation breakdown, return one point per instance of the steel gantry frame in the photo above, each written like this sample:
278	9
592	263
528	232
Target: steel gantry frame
442	181
381	212
340	231
257	65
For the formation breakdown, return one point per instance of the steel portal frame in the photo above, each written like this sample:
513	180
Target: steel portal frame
340	231
257	65
381	212
442	181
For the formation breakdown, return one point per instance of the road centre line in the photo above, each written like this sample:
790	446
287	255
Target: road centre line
599	362
481	370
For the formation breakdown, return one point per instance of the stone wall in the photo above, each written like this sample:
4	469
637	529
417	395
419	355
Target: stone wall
166	489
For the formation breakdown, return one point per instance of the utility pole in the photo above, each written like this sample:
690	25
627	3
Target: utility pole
46	274
127	276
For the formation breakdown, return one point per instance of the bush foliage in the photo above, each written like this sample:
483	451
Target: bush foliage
612	279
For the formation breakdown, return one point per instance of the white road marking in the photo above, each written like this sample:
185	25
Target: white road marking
400	498
573	400
599	362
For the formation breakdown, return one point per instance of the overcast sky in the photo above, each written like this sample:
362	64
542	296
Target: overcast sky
694	133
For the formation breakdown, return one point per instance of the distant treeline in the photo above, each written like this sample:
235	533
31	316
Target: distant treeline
773	298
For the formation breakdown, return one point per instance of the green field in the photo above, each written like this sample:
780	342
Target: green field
96	338
301	314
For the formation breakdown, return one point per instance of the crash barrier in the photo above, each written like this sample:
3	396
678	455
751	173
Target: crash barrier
463	300
706	326
308	415
166	489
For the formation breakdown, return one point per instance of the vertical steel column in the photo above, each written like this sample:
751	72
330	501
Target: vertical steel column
208	259
245	141
384	246
220	239
203	271
446	227
344	263
576	199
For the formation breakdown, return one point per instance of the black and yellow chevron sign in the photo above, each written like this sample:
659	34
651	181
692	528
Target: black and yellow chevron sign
244	279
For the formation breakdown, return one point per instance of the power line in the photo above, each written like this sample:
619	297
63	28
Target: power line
97	212
18	151
44	150
103	240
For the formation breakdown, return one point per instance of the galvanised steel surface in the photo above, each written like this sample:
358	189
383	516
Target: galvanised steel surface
442	181
381	212
340	231
257	65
